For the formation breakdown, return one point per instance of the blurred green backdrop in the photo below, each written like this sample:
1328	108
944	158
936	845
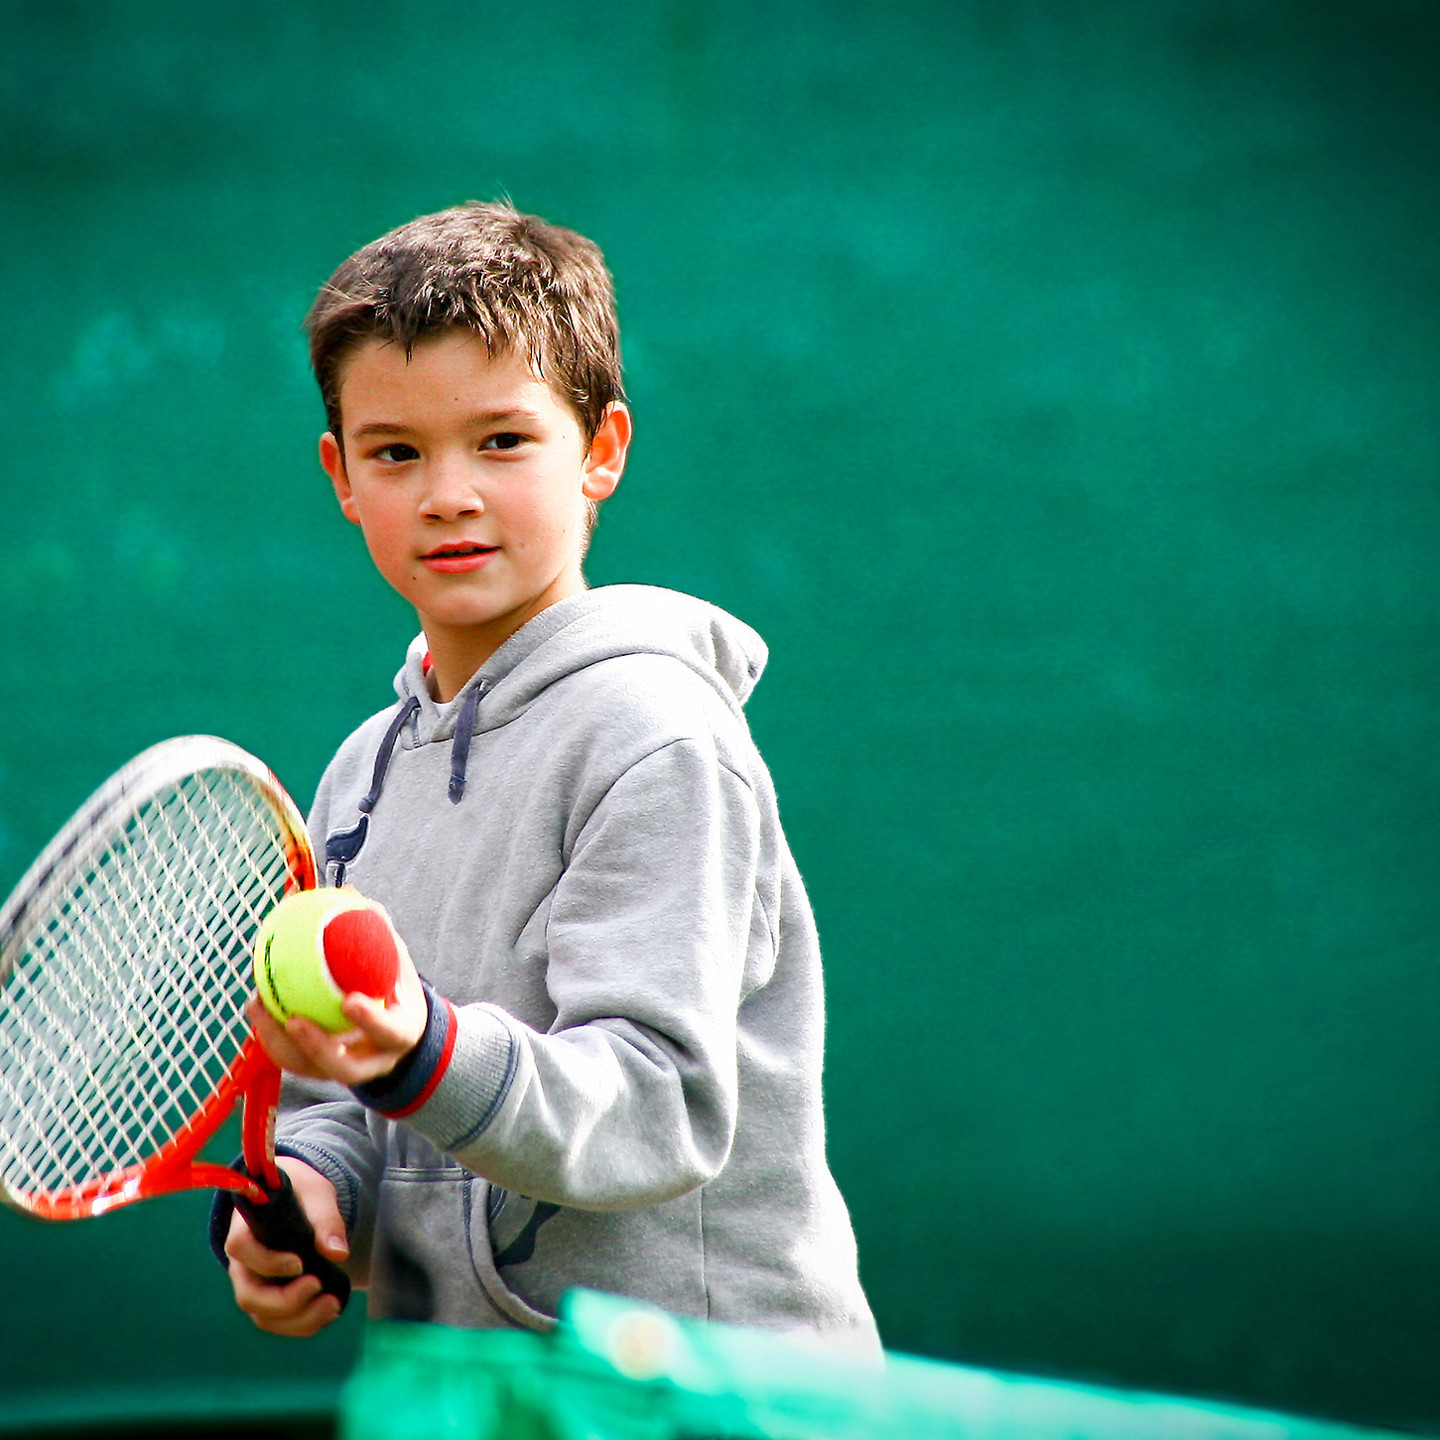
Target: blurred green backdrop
1053	385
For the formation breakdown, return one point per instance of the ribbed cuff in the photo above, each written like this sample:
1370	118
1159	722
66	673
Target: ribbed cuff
481	1072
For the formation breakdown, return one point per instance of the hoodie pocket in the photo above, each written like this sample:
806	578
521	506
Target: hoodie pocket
432	1259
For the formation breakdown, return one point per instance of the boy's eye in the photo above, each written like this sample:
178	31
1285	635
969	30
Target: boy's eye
396	453
505	440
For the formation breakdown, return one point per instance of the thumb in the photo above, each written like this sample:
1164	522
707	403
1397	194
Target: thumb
318	1200
330	1237
332	1245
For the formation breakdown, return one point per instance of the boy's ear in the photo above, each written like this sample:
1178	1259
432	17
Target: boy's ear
605	463
332	461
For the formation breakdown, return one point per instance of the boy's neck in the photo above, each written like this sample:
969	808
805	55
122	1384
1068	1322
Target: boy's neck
454	659
457	652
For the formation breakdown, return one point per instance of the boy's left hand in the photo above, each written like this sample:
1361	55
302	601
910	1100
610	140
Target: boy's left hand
382	1035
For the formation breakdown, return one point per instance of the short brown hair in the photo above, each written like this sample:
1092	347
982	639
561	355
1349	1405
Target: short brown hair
525	286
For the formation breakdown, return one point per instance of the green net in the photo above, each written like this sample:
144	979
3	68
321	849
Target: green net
616	1370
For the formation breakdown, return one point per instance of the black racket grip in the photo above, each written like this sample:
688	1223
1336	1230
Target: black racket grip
281	1224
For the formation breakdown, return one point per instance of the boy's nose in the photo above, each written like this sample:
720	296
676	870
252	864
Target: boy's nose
451	492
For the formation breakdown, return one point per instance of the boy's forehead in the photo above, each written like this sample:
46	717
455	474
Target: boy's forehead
391	349
380	367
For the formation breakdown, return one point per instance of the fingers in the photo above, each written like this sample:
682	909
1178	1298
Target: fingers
321	1205
381	1037
376	1024
304	1048
399	1020
270	1288
296	1308
277	1042
383	1033
268	1284
394	1027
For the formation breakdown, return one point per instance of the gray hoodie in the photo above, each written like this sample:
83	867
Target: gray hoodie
620	1084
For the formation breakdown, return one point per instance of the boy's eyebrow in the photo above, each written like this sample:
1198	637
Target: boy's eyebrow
481	418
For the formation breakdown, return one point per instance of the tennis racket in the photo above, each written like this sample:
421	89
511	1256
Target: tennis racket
125	967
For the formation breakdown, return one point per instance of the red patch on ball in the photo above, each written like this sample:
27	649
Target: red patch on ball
361	953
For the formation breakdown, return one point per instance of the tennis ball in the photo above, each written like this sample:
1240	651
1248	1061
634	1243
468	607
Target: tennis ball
318	946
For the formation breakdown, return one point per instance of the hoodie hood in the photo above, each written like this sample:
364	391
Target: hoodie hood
597	625
584	630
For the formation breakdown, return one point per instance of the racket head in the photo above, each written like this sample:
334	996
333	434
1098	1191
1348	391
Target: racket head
125	967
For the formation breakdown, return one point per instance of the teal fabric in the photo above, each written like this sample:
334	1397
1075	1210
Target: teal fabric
615	1370
1052	385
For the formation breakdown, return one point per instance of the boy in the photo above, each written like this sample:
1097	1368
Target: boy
610	1076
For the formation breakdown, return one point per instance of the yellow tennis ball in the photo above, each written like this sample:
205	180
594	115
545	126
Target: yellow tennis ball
317	946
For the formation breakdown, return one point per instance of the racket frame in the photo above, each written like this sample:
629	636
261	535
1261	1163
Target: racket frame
251	1075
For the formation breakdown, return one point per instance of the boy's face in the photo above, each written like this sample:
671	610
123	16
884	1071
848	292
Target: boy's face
469	478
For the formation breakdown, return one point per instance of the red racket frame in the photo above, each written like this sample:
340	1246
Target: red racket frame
264	1195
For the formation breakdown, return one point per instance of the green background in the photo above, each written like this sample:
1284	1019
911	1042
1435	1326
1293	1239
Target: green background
1053	385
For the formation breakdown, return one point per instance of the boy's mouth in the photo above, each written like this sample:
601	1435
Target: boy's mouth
458	557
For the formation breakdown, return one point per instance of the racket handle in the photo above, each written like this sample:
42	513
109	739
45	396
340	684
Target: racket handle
280	1224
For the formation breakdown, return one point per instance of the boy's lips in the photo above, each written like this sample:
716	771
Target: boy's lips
458	557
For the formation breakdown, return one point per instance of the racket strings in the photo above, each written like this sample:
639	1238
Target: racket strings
125	1011
138	1011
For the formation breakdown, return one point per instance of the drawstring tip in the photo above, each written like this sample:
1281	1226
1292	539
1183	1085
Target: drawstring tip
464	731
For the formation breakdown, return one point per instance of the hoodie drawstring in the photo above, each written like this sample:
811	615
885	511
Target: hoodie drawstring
343	846
460	749
386	750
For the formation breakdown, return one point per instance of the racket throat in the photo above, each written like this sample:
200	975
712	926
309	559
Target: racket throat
261	1084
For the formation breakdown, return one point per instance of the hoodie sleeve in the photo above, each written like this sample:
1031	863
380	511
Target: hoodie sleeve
630	1098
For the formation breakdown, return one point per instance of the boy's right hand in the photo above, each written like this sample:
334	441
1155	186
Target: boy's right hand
295	1307
383	1034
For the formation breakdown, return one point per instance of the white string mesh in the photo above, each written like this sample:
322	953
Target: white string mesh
123	1011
